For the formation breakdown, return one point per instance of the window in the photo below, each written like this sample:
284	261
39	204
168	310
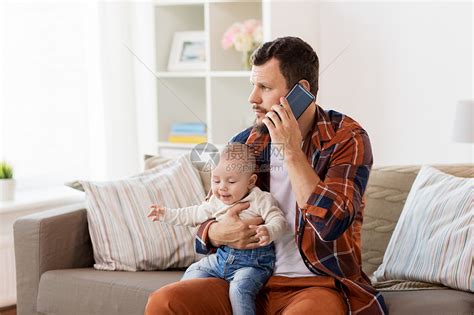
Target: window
50	97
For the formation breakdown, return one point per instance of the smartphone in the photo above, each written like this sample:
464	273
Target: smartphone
299	99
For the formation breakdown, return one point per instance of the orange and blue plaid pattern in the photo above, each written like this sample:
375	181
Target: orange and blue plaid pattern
328	226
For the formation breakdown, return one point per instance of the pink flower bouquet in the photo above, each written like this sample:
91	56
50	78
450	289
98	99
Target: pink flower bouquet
244	37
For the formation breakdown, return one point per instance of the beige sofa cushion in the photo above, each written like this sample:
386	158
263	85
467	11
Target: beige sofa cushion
91	292
432	241
122	235
104	292
155	160
386	193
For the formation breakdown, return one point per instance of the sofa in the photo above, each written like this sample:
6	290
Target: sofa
54	259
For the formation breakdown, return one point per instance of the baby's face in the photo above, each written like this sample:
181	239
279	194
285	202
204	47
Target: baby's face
229	183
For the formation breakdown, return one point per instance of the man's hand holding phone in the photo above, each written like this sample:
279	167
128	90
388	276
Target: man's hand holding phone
282	123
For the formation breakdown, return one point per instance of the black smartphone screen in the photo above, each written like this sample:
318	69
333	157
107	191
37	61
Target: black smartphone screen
299	99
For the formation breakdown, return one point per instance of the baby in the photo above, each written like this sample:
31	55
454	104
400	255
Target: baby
233	181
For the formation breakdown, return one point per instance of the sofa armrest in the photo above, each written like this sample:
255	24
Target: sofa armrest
54	239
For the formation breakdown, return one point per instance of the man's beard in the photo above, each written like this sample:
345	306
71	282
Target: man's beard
260	127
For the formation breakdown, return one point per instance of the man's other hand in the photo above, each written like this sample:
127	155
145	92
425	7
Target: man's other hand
234	232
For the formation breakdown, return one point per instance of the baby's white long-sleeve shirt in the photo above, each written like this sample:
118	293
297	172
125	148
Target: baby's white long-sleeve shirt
261	202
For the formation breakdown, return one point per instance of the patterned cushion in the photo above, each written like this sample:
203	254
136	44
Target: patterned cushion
433	239
386	194
154	160
123	238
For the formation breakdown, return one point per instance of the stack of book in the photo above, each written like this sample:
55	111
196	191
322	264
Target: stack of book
188	132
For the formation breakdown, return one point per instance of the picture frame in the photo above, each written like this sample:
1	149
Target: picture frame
188	52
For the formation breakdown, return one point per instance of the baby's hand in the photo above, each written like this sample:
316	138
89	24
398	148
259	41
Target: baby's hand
156	213
263	235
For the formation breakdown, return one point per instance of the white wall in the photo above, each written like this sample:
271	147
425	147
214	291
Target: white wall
294	18
405	69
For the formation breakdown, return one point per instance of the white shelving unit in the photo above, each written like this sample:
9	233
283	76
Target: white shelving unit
217	96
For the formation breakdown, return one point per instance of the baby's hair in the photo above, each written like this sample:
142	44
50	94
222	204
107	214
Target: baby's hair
242	154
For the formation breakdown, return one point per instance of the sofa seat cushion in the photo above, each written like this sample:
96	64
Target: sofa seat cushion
445	301
90	291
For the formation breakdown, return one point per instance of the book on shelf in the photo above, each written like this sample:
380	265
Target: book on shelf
187	138
187	133
189	127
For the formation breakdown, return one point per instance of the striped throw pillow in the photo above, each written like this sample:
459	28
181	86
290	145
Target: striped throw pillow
123	238
433	240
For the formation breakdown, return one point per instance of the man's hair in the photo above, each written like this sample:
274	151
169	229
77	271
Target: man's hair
241	155
298	60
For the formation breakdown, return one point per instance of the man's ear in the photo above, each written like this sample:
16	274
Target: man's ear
305	84
252	180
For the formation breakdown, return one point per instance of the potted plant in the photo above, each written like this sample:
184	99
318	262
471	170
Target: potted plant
7	183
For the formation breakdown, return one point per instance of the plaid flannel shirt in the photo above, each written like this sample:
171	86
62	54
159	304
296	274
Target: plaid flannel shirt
327	229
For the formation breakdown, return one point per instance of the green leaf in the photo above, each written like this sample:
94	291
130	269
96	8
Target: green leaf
6	171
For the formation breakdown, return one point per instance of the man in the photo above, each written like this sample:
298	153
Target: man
317	167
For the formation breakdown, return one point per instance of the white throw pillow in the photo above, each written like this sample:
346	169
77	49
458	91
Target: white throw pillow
123	238
433	240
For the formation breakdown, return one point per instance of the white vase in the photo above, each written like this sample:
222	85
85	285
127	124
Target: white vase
7	189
